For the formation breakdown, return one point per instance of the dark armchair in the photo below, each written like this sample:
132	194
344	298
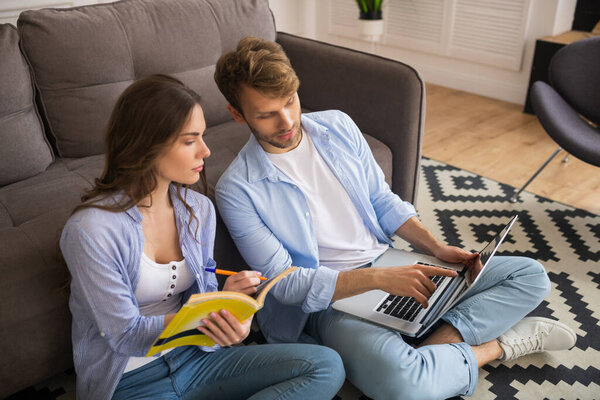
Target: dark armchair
569	108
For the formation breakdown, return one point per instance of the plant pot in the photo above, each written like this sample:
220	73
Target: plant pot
370	15
370	29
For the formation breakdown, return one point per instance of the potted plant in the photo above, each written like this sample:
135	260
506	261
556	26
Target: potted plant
370	22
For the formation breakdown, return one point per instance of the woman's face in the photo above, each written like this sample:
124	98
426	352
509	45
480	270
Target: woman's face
183	161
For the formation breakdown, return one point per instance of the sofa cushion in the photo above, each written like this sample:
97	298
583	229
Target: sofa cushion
110	45
59	187
383	156
24	150
224	141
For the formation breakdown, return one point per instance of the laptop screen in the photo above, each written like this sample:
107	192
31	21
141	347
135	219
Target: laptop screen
491	247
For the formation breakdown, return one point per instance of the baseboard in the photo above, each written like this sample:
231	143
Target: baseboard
484	86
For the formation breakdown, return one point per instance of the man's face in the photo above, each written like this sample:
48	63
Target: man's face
275	122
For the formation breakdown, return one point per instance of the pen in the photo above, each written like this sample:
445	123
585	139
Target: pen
225	272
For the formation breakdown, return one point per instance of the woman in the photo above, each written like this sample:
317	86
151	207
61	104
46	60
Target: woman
136	248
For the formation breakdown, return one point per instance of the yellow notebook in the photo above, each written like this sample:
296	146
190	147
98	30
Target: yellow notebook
182	331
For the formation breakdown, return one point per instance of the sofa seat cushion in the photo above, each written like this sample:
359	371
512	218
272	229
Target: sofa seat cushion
24	151
383	156
110	45
59	187
62	184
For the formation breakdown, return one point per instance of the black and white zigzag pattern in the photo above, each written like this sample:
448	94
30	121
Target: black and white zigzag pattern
466	210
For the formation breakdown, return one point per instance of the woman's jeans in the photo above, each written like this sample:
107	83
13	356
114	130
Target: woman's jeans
380	362
271	371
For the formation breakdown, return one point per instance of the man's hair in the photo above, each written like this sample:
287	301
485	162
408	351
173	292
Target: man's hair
259	64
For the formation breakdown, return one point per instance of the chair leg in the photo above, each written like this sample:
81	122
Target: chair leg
515	196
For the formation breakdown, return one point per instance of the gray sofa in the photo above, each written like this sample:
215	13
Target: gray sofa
60	74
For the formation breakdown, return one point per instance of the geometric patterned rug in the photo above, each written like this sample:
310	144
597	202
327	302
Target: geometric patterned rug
466	210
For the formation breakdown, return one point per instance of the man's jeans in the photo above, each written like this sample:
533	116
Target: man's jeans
273	371
380	363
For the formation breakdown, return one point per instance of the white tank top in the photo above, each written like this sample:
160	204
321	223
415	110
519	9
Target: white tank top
159	292
160	286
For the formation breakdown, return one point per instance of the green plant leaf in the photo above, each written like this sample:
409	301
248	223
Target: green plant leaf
369	5
362	5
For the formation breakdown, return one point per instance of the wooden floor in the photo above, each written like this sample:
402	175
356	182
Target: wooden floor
497	140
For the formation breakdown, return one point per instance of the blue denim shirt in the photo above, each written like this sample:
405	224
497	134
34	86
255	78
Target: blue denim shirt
103	250
270	221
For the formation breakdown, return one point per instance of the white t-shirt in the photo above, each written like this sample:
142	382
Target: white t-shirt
343	239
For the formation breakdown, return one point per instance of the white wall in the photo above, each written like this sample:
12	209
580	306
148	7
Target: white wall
295	16
547	17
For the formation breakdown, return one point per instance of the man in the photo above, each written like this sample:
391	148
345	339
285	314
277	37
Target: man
306	190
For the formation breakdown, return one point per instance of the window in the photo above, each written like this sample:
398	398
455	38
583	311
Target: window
490	32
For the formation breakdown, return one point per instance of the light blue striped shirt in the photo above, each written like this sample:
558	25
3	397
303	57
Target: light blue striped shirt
103	251
269	220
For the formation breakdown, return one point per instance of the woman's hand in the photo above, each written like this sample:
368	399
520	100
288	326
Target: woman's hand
225	329
243	282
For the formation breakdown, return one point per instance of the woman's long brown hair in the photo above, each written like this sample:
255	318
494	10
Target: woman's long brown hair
145	121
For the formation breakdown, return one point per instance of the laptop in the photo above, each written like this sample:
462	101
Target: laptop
404	313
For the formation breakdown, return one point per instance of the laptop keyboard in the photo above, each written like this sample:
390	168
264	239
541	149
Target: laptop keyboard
404	307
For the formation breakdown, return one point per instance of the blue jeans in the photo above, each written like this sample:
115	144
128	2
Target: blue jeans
380	363
271	371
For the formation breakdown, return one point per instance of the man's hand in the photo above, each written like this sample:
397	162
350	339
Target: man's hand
225	329
411	280
419	236
243	282
475	266
456	255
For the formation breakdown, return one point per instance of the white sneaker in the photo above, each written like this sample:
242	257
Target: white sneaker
534	335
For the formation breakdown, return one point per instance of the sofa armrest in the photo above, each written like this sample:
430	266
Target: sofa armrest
384	97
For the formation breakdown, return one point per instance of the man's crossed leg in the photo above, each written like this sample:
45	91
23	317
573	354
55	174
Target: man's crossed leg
486	325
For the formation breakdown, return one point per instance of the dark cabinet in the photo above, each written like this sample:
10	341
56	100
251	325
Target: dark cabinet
544	50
